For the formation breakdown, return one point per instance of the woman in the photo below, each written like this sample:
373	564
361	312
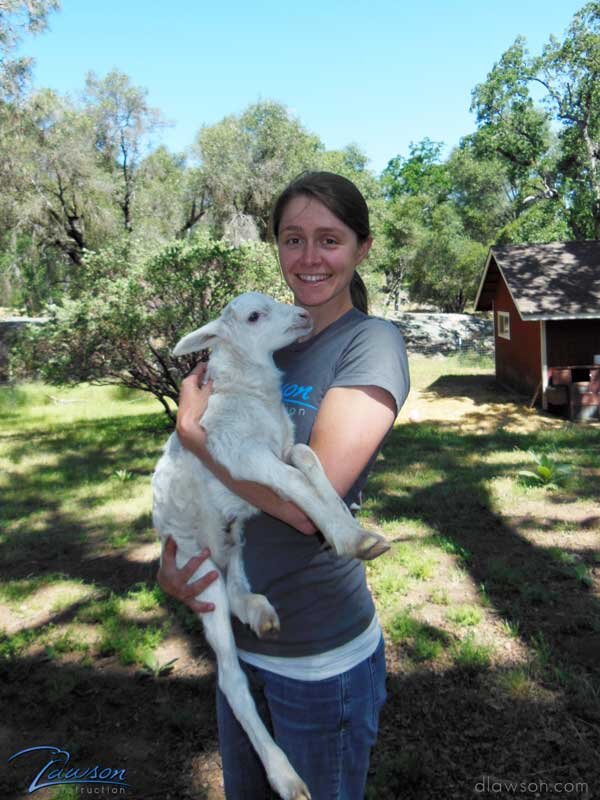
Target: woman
321	684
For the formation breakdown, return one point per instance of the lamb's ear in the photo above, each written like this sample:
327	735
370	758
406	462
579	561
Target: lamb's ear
199	340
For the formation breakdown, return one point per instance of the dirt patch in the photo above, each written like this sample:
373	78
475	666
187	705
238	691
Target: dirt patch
476	404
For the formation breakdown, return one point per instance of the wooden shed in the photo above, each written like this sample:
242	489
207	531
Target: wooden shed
546	304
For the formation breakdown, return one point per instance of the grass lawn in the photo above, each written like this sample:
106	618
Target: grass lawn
489	597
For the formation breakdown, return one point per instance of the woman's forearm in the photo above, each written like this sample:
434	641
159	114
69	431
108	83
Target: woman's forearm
193	438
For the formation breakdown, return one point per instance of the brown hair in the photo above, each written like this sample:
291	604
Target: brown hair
343	199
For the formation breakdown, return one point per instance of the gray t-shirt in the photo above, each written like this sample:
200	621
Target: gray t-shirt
322	600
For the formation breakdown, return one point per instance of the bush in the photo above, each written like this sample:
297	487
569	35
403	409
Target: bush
123	315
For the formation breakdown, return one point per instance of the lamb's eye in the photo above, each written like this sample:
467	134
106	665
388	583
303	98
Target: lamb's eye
253	316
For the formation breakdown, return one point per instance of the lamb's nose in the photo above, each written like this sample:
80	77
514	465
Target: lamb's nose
304	314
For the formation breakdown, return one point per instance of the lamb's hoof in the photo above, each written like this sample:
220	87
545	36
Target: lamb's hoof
287	784
300	792
372	546
303	458
268	627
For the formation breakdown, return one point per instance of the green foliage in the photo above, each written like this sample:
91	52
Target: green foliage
20	589
421	173
247	159
444	243
439	221
422	642
541	222
125	315
470	655
65	642
76	179
547	472
121	119
12	645
65	792
573	565
146	599
516	130
122	475
511	628
18	17
12	398
583	575
448	546
152	666
510	125
465	615
439	597
131	643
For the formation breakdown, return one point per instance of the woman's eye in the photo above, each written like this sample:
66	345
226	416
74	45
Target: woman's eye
330	241
253	316
292	240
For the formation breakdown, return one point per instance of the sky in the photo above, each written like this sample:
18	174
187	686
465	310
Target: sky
377	73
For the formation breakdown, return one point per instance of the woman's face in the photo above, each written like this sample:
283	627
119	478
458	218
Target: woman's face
318	254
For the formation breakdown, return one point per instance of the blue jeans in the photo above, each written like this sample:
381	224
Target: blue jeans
326	729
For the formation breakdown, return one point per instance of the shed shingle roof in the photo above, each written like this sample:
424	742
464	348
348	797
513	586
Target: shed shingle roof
560	280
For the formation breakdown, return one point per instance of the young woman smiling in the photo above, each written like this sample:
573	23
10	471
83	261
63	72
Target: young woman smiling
321	684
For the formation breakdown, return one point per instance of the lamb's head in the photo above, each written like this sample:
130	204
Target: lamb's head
252	323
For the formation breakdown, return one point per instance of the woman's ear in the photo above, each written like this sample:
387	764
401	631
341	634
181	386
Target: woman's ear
363	250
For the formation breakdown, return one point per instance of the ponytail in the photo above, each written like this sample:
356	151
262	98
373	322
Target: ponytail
359	294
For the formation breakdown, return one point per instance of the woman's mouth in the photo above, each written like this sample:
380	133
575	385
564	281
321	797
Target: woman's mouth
313	278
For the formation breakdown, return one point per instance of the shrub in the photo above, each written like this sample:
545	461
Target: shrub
123	314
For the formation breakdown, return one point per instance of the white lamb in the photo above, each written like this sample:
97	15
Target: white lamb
250	433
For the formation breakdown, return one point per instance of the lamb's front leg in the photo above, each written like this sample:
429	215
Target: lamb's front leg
234	685
315	496
250	608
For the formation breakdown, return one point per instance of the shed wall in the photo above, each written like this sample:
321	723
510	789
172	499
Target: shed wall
518	359
572	341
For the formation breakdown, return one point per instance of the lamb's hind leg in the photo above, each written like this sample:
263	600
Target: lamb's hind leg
314	495
250	608
369	545
234	685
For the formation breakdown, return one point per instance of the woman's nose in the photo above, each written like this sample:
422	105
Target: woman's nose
311	254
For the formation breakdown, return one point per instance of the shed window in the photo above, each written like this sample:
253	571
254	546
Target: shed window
504	324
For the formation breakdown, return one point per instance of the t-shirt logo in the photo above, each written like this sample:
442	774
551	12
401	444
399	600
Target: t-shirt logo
294	395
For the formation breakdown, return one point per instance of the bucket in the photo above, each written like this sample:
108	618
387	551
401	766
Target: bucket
584	413
579	387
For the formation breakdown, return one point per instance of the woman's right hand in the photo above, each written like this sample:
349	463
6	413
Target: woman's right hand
193	402
174	581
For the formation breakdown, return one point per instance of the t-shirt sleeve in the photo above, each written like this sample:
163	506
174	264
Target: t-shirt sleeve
376	356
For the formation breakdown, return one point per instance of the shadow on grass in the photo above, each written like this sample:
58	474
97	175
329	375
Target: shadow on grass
441	730
450	728
449	734
105	714
40	519
482	388
155	729
445	734
460	507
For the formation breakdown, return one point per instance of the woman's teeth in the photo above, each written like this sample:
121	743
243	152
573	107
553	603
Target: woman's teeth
313	278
